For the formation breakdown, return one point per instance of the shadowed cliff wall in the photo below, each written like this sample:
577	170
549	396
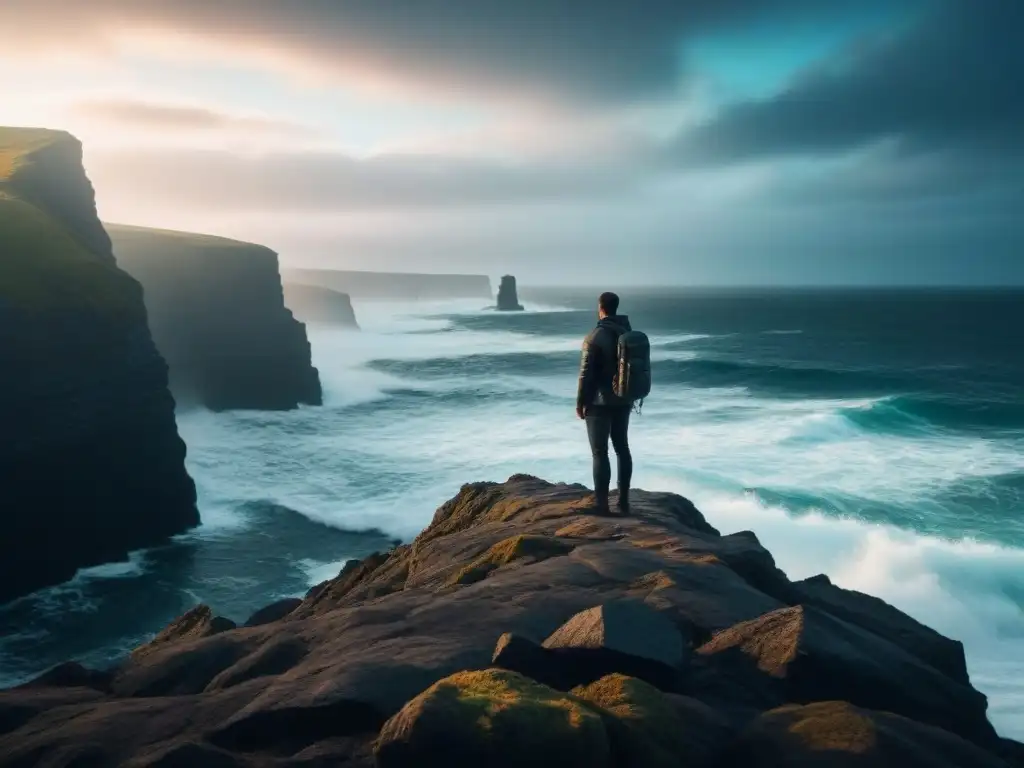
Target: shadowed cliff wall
218	316
313	304
91	464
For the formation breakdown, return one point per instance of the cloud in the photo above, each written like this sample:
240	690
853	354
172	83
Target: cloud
950	82
588	50
171	117
330	181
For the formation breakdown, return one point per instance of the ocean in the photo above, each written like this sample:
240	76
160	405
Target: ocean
877	436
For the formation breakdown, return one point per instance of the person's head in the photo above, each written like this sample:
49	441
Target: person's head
607	304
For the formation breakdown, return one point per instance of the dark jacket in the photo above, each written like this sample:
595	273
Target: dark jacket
599	361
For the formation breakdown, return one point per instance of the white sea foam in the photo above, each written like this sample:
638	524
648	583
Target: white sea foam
355	464
318	572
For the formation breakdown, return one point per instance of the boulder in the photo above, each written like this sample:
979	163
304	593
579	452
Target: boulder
808	655
623	636
837	734
648	729
882	619
273	612
495	718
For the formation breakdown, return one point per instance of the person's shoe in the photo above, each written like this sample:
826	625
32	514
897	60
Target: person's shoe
601	506
623	503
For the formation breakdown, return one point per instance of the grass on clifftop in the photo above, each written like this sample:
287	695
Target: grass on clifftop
18	144
126	236
42	267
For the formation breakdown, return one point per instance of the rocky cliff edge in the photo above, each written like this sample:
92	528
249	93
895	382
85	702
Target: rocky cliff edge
519	628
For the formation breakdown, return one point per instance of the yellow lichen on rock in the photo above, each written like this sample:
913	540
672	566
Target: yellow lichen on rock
496	718
507	551
652	731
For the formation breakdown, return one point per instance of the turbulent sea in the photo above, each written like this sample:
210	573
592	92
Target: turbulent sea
874	436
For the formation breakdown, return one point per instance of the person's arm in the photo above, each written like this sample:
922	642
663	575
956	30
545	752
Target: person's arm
585	384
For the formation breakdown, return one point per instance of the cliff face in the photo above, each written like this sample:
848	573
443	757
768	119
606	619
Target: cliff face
218	317
313	304
522	628
91	465
508	299
394	285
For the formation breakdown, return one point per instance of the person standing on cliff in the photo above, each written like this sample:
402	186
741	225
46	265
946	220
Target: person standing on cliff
606	413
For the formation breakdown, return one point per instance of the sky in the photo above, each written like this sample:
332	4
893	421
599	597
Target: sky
653	142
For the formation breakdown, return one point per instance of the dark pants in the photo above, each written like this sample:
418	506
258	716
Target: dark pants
604	422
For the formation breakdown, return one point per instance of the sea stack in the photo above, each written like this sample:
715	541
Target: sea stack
91	464
508	301
313	304
217	312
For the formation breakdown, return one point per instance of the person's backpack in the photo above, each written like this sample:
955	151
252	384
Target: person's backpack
633	378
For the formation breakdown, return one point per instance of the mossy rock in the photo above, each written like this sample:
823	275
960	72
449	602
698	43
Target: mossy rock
652	733
836	734
493	718
536	548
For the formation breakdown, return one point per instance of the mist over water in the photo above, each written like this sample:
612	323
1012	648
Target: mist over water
885	450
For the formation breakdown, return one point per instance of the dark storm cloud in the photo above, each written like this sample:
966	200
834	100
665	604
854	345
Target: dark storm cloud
575	49
951	82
